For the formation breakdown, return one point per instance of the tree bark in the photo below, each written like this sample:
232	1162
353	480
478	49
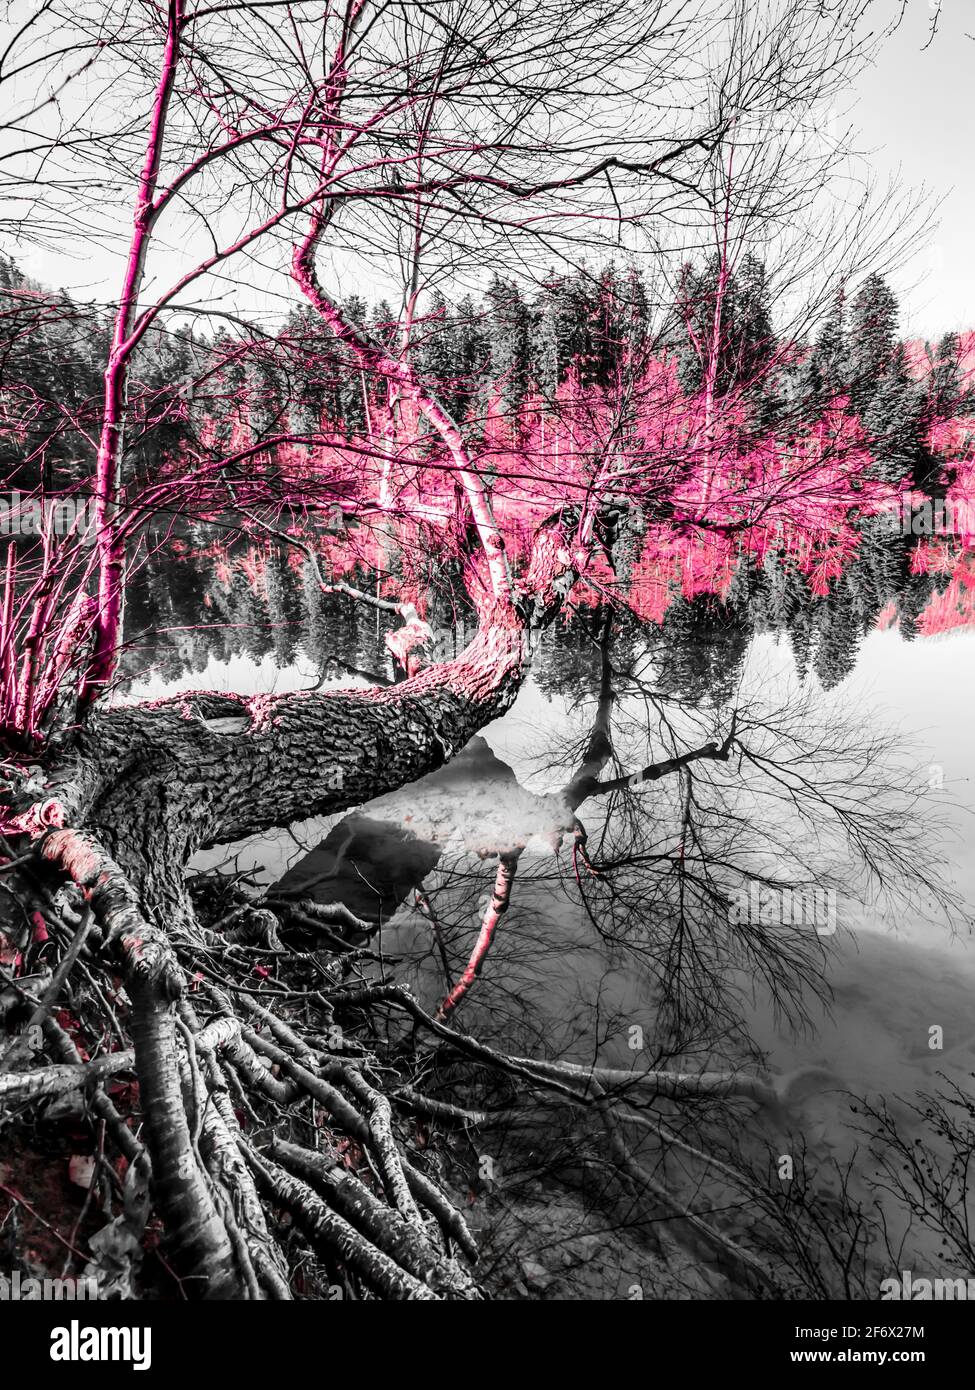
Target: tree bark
158	781
111	546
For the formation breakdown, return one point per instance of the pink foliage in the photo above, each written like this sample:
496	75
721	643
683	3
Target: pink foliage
705	488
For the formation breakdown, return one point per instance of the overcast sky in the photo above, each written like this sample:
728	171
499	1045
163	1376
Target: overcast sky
913	107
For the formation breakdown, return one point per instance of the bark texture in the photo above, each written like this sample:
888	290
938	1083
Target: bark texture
158	781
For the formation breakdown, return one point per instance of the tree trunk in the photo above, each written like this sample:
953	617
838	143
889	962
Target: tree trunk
159	781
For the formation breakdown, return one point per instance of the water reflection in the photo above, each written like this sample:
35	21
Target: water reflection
562	983
697	607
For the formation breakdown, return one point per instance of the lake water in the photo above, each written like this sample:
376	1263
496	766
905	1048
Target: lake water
552	987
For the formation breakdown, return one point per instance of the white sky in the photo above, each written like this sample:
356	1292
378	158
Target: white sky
912	108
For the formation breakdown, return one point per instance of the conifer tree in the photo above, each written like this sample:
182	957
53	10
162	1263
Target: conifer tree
873	341
510	328
825	372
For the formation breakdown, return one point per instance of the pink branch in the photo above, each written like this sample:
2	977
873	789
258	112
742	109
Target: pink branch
111	549
373	358
498	906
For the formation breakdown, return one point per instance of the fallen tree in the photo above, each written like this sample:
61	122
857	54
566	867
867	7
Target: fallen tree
262	1085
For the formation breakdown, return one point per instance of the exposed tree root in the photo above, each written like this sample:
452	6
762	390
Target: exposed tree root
272	1134
45	1082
